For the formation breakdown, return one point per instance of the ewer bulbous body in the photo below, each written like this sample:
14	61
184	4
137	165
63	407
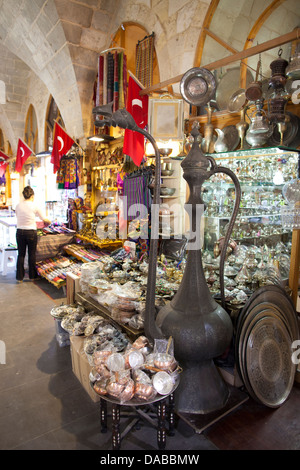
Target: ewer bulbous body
200	327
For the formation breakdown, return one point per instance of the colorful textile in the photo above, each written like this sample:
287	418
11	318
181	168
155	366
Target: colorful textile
116	83
124	80
99	97
67	175
110	77
121	102
136	190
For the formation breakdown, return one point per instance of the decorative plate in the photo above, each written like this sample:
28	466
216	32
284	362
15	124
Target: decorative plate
197	86
291	135
237	101
228	84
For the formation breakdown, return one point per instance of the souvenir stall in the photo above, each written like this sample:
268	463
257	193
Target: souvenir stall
132	299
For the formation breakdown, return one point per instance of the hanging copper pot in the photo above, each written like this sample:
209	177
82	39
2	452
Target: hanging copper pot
254	89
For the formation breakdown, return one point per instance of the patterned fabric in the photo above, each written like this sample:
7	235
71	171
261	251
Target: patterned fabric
116	83
67	175
110	77
121	102
136	189
144	60
111	83
99	97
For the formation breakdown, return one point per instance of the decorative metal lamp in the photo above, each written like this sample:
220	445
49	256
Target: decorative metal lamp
278	100
200	327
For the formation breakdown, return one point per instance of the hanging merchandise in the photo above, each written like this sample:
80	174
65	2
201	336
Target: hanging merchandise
74	205
112	79
62	143
67	175
144	60
137	192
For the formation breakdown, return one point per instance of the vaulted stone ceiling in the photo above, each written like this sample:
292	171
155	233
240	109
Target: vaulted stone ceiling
51	47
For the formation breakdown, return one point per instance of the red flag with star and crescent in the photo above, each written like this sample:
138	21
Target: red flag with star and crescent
62	143
23	152
137	106
3	163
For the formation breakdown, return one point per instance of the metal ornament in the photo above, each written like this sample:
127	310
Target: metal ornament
197	86
200	327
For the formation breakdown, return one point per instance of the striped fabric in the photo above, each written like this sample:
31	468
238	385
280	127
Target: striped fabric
116	82
111	85
135	188
144	60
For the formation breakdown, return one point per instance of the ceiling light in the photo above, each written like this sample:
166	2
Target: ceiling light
96	138
100	138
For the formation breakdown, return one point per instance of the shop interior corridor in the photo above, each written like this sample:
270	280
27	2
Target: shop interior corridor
44	407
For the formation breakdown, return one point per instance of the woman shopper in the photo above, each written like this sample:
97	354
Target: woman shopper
26	212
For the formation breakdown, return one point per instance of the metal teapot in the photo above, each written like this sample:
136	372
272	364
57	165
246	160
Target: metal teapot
259	129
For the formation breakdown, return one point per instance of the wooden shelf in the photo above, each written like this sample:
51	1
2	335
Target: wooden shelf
88	301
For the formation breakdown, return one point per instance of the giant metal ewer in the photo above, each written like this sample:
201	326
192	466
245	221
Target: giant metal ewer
201	328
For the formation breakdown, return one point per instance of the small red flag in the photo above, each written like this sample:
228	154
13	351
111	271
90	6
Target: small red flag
137	106
3	163
62	143
23	153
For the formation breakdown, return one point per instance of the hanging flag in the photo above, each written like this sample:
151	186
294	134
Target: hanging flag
137	106
3	163
23	153
62	143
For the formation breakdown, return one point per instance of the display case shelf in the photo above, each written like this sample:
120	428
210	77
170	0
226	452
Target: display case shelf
261	194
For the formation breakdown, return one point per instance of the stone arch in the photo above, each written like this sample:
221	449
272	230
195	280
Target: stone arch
36	36
31	129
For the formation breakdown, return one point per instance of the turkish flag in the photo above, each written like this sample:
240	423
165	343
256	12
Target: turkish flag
3	163
137	106
62	143
23	153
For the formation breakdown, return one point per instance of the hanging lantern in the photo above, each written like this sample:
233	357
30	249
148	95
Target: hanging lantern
278	67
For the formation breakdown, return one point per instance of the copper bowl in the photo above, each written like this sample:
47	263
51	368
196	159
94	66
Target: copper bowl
164	362
114	389
167	191
144	391
100	387
167	172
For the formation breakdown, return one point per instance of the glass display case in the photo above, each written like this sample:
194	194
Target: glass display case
259	239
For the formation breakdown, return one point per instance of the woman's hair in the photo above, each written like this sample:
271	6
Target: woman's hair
28	192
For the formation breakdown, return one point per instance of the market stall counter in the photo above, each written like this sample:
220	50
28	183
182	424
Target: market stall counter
52	241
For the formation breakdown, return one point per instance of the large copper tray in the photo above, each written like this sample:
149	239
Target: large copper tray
271	311
269	368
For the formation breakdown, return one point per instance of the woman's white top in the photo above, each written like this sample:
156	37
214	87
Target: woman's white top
26	212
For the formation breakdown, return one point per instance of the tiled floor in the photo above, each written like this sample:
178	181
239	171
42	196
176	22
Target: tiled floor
42	403
44	407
